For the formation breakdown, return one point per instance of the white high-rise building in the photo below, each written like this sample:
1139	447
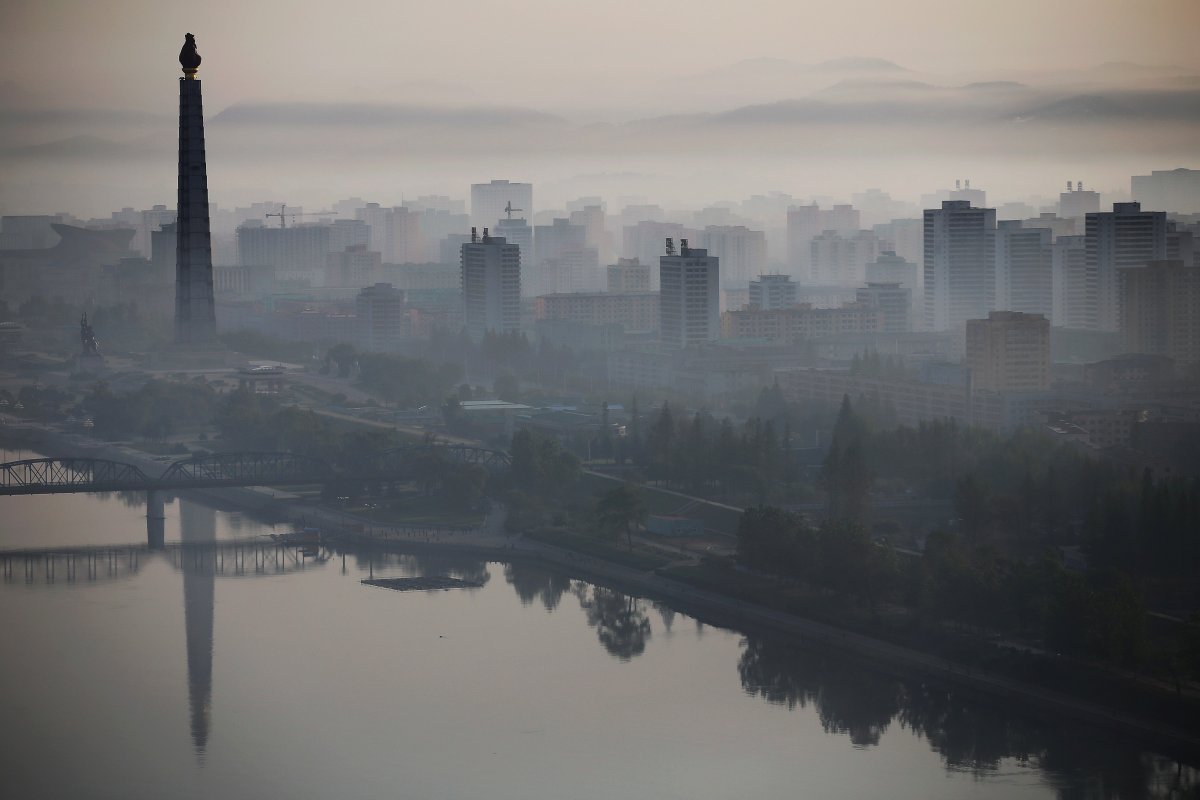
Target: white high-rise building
839	259
488	201
395	233
1076	202
563	261
960	264
491	286
1174	190
689	296
743	252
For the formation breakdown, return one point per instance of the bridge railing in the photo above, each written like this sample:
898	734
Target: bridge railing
56	475
35	475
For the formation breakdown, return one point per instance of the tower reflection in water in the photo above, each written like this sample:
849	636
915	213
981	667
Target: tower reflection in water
198	526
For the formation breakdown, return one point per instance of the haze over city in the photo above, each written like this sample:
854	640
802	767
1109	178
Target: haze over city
691	103
541	399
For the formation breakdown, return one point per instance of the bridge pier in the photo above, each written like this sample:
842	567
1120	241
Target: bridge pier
156	520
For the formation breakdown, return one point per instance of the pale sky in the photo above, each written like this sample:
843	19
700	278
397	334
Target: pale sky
532	52
72	70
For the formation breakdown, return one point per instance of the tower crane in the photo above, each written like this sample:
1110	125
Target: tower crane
508	209
284	214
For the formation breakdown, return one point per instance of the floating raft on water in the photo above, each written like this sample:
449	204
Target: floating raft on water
422	584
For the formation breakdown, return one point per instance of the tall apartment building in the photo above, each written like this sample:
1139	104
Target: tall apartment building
1024	268
1160	310
893	301
644	241
1076	202
297	253
772	291
689	296
517	230
562	260
889	267
488	201
345	233
592	218
380	318
839	259
1076	291
491	285
1174	190
1123	237
806	222
355	266
906	237
1009	352
395	233
742	252
628	275
960	264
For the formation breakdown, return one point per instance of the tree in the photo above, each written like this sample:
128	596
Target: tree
845	474
344	355
507	387
621	509
463	484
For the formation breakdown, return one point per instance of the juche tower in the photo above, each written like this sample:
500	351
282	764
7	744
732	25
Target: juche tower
195	313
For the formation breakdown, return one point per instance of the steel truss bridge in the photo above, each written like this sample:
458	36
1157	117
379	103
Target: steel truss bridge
66	475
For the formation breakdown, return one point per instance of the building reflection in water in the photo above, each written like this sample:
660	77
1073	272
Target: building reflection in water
198	526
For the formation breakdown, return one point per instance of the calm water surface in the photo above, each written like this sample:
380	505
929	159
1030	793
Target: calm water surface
166	679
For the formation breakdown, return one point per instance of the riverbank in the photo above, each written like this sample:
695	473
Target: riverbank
490	542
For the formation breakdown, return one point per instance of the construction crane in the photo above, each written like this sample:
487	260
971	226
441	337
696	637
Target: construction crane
284	214
508	209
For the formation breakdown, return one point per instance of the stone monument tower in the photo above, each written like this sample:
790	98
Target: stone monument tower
195	313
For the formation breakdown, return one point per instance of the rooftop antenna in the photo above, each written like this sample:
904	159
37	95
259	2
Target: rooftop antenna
508	209
670	246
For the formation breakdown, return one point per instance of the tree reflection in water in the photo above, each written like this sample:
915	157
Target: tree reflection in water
533	583
619	619
968	733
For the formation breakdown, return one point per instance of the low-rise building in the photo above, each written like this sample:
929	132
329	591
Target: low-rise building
800	322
